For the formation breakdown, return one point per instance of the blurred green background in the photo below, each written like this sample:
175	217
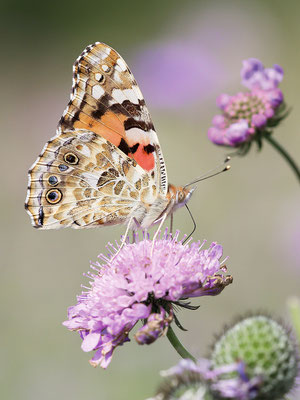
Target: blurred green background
253	210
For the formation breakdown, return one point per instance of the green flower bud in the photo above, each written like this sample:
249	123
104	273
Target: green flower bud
267	350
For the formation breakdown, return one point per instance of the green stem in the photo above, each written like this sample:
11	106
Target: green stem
178	346
294	309
285	155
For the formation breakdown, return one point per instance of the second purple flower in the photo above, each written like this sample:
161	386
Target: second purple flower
246	115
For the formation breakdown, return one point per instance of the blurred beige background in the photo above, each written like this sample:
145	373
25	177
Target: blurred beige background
183	55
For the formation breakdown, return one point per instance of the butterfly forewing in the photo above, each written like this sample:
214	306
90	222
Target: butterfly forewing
107	100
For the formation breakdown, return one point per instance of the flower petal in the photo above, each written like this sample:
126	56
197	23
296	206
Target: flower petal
90	342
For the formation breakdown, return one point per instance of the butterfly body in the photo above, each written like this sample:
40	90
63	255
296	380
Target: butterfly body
105	165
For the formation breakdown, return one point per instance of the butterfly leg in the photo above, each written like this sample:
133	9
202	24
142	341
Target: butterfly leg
171	223
134	230
133	236
123	239
163	218
139	226
194	223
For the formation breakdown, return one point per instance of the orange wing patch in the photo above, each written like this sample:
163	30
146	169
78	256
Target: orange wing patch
143	158
114	132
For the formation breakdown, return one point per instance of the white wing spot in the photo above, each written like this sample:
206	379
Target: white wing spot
137	135
130	94
105	68
97	91
98	77
84	150
118	78
118	95
122	64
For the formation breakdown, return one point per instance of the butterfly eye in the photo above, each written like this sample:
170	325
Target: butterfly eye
53	196
71	158
181	197
52	180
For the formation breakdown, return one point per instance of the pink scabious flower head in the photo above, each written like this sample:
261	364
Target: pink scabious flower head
141	284
248	116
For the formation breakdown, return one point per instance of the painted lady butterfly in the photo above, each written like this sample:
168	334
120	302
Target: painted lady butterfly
105	165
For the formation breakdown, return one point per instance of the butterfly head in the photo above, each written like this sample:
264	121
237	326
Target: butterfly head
179	195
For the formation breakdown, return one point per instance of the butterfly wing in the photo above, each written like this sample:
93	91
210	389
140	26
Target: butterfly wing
106	100
82	180
106	115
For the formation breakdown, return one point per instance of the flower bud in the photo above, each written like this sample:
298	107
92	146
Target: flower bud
156	326
266	349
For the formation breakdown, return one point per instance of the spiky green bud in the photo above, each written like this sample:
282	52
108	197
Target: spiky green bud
267	350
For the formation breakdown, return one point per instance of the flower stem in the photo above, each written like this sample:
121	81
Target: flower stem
284	153
178	346
294	309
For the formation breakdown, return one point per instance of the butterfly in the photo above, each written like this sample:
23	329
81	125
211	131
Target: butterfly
104	166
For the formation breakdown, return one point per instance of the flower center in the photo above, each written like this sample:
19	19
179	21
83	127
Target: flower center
244	106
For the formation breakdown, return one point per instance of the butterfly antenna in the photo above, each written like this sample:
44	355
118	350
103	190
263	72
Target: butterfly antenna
194	223
212	172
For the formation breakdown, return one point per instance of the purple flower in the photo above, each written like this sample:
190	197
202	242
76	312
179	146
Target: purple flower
136	286
242	115
245	113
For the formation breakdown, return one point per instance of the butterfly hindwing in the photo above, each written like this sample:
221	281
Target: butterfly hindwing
82	180
106	100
